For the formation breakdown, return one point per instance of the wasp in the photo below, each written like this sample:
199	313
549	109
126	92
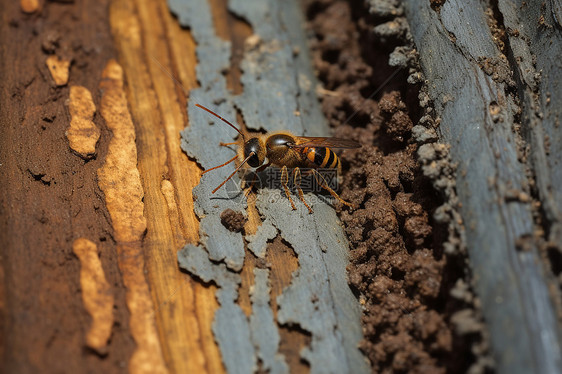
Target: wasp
287	151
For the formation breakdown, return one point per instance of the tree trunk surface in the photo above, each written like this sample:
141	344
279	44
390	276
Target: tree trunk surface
495	89
98	200
118	257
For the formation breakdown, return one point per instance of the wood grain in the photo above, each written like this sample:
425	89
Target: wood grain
119	180
159	62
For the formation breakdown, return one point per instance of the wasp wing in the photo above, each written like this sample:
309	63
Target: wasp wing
324	142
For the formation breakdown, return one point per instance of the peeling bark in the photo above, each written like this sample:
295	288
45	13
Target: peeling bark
278	94
96	294
83	134
119	179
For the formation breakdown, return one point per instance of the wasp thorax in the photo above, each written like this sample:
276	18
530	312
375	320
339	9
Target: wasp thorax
277	145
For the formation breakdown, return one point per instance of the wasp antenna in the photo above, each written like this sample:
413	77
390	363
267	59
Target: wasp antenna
220	166
219	117
234	172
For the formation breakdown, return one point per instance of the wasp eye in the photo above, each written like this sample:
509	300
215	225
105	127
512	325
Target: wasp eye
254	161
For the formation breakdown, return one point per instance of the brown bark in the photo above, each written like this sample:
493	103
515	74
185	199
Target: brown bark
55	192
50	196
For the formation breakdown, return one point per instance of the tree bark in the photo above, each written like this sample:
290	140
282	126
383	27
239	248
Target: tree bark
278	94
98	200
467	64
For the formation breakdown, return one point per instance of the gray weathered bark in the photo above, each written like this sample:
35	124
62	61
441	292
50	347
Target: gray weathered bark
469	81
279	94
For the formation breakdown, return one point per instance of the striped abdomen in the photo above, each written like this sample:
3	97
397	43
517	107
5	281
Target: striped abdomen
322	157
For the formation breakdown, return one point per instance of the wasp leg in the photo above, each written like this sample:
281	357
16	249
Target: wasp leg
322	182
297	181
284	181
249	185
250	197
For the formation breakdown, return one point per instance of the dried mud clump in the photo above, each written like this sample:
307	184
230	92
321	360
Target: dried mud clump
233	221
407	261
396	122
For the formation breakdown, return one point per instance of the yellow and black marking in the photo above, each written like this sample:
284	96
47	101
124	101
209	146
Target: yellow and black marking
323	157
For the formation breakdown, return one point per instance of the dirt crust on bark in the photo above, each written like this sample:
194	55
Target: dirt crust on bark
418	310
